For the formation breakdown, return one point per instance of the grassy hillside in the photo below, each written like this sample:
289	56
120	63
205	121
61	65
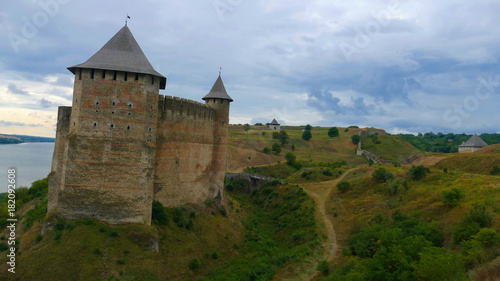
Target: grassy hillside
388	147
369	203
258	235
246	148
479	162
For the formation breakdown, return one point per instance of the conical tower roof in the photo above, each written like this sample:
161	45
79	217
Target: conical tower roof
274	122
121	53
218	91
475	141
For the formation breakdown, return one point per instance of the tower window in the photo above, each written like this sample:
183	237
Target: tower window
80	74
152	107
103	74
114	103
76	100
128	127
111	126
114	75
95	124
97	103
214	100
136	76
150	129
92	73
130	105
112	112
152	79
221	101
126	76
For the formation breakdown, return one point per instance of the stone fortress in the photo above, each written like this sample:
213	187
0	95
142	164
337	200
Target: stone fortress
122	145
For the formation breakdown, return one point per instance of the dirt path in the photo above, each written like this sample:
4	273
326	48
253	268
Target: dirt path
320	192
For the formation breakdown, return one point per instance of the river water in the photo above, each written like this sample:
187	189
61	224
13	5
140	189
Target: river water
32	162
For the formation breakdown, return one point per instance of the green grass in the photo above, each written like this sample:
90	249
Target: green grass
388	147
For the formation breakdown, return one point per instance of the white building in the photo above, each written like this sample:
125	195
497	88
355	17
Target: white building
473	144
274	125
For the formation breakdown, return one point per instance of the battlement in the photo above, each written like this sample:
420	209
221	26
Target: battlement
169	107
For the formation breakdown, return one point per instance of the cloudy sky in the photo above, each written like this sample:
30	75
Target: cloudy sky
405	66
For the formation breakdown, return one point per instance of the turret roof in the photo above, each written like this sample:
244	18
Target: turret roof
274	122
218	91
475	141
121	53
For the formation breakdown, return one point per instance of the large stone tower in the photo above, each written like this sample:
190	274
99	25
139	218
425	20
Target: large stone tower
104	161
219	100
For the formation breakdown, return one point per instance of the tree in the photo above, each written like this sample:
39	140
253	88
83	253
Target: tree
452	196
266	150
293	147
307	135
258	124
308	127
276	148
290	158
355	139
283	137
381	174
333	132
418	172
246	127
276	135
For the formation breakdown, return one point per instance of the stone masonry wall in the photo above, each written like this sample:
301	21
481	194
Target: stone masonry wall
183	152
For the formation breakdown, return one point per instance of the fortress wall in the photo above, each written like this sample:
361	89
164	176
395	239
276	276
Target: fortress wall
183	152
63	122
109	168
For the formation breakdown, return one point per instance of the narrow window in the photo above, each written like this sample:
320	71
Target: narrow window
114	75
97	103
114	103
126	76
80	74
128	127
152	80
112	112
151	107
103	74
214	100
136	76
111	126
74	123
130	105
150	129
92	73
221	101
76	100
95	124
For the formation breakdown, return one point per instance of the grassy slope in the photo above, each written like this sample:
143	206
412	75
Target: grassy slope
391	148
245	148
366	198
270	231
479	162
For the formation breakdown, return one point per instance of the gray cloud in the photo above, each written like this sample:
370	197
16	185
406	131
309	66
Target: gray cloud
20	124
14	90
46	104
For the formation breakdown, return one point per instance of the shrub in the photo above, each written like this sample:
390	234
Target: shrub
215	255
308	127
266	150
120	262
465	229
57	235
343	186
487	237
452	196
97	251
333	132
3	246
418	172
194	264
306	135
158	215
113	233
276	135
381	174
327	172
355	139
290	158
276	148
283	137
59	225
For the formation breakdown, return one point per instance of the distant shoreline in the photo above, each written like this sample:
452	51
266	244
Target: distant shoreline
18	139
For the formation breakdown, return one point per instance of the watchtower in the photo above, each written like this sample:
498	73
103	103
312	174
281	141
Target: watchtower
219	100
106	164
